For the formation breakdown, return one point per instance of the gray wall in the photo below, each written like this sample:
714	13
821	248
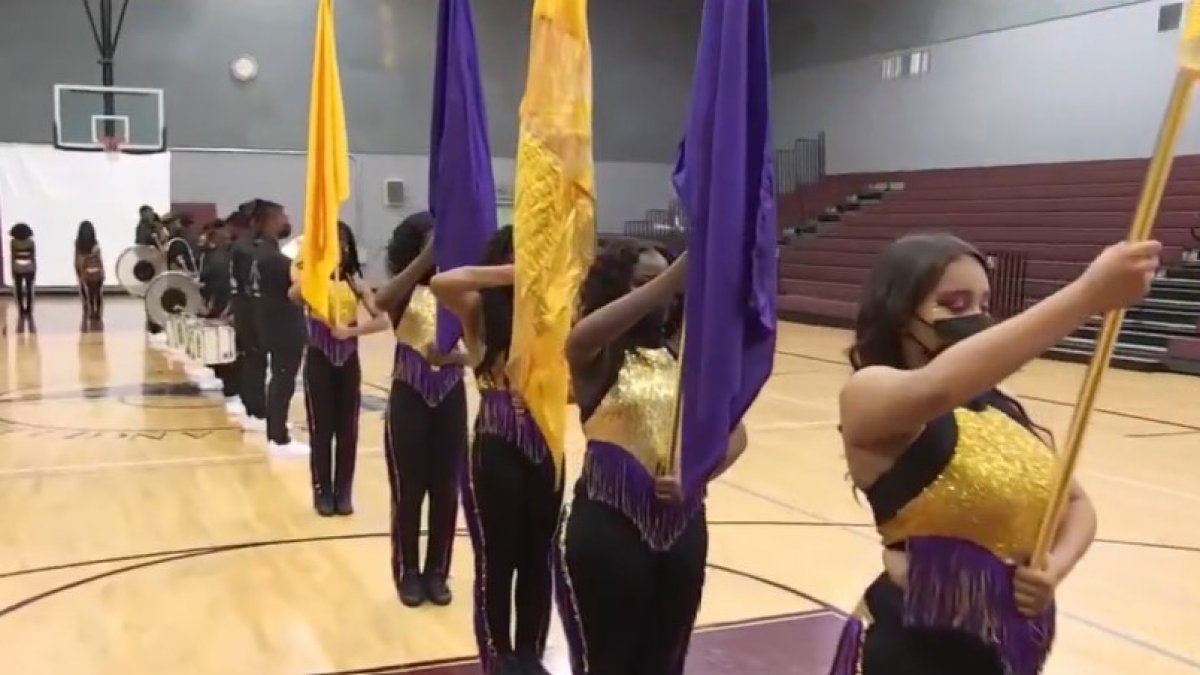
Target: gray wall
643	53
1091	86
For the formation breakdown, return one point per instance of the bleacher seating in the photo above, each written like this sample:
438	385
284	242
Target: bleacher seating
1059	215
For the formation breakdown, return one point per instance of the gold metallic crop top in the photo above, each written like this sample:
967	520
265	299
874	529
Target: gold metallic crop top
418	327
637	413
993	492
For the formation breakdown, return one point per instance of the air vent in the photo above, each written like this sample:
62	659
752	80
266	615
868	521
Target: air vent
1169	17
393	192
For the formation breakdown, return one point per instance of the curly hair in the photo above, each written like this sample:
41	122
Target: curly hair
21	232
611	277
497	303
407	241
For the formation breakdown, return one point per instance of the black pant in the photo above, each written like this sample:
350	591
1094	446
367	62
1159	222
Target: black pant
333	398
424	447
230	378
92	292
512	508
285	350
252	360
23	289
891	649
627	609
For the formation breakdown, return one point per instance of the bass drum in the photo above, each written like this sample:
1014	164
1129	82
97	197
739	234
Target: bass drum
137	267
171	294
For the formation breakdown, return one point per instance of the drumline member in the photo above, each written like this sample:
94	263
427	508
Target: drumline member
511	489
149	233
181	247
632	562
89	271
333	379
956	472
279	322
23	265
425	435
252	360
216	288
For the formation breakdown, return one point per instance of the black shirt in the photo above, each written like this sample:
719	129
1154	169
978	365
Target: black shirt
214	277
241	261
180	256
144	234
271	278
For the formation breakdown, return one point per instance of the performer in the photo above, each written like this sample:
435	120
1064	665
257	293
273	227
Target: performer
217	290
89	271
633	554
512	492
252	360
332	379
956	472
426	427
23	265
279	321
181	247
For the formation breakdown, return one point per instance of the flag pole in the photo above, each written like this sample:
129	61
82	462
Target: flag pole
675	468
1143	223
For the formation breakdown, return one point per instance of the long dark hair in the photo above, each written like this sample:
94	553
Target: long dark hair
497	303
903	275
85	238
611	276
408	239
20	232
350	265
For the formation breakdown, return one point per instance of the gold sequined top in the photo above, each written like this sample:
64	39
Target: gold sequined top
993	492
638	412
418	327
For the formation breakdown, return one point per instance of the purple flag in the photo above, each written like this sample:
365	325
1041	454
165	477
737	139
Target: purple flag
462	192
725	182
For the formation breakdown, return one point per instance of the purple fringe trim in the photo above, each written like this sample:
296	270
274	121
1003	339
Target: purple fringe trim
847	660
613	477
501	416
433	384
956	584
337	351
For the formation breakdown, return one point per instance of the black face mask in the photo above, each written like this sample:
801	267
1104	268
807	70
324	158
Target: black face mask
285	231
956	329
650	331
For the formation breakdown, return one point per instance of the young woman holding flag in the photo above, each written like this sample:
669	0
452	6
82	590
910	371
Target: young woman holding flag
332	378
956	472
633	553
512	490
426	425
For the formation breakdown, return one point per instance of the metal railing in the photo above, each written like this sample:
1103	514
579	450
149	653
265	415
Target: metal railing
1007	271
800	165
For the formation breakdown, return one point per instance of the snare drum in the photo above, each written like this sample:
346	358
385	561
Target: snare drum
176	332
213	343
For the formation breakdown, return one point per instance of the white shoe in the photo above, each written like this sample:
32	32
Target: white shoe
293	449
233	406
254	424
211	384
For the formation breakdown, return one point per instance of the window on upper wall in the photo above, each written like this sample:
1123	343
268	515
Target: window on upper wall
905	64
1169	17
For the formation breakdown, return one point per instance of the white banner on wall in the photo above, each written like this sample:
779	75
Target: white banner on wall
54	190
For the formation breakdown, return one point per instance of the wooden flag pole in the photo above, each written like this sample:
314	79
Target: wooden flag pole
1143	224
675	468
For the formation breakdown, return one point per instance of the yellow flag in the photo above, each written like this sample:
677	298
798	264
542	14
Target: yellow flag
555	210
327	183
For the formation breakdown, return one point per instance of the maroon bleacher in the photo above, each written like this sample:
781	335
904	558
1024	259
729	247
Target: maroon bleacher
1059	215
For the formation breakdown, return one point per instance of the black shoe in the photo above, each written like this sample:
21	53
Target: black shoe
437	591
412	590
507	665
344	506
323	503
530	664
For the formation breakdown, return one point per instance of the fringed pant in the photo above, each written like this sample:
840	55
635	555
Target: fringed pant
627	609
512	507
333	398
23	290
424	446
888	648
92	292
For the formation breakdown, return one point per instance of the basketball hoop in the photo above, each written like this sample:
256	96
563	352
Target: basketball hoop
112	147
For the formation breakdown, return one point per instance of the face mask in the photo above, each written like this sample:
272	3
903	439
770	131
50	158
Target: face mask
649	331
285	231
956	329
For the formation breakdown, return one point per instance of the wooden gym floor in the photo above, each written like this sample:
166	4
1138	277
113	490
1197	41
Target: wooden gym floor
141	532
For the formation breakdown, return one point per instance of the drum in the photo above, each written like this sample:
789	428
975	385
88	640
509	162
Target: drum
212	342
176	330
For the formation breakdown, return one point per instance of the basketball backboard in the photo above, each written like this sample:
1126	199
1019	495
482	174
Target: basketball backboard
86	117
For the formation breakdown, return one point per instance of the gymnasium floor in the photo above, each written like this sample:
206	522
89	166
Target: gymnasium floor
141	533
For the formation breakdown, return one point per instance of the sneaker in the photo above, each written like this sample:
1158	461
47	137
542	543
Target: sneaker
412	590
233	406
507	665
530	664
256	425
437	591
289	449
323	504
343	505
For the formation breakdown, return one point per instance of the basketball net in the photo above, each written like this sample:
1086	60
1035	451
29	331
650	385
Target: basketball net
112	147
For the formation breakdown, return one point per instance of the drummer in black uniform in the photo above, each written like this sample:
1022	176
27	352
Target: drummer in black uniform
252	361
